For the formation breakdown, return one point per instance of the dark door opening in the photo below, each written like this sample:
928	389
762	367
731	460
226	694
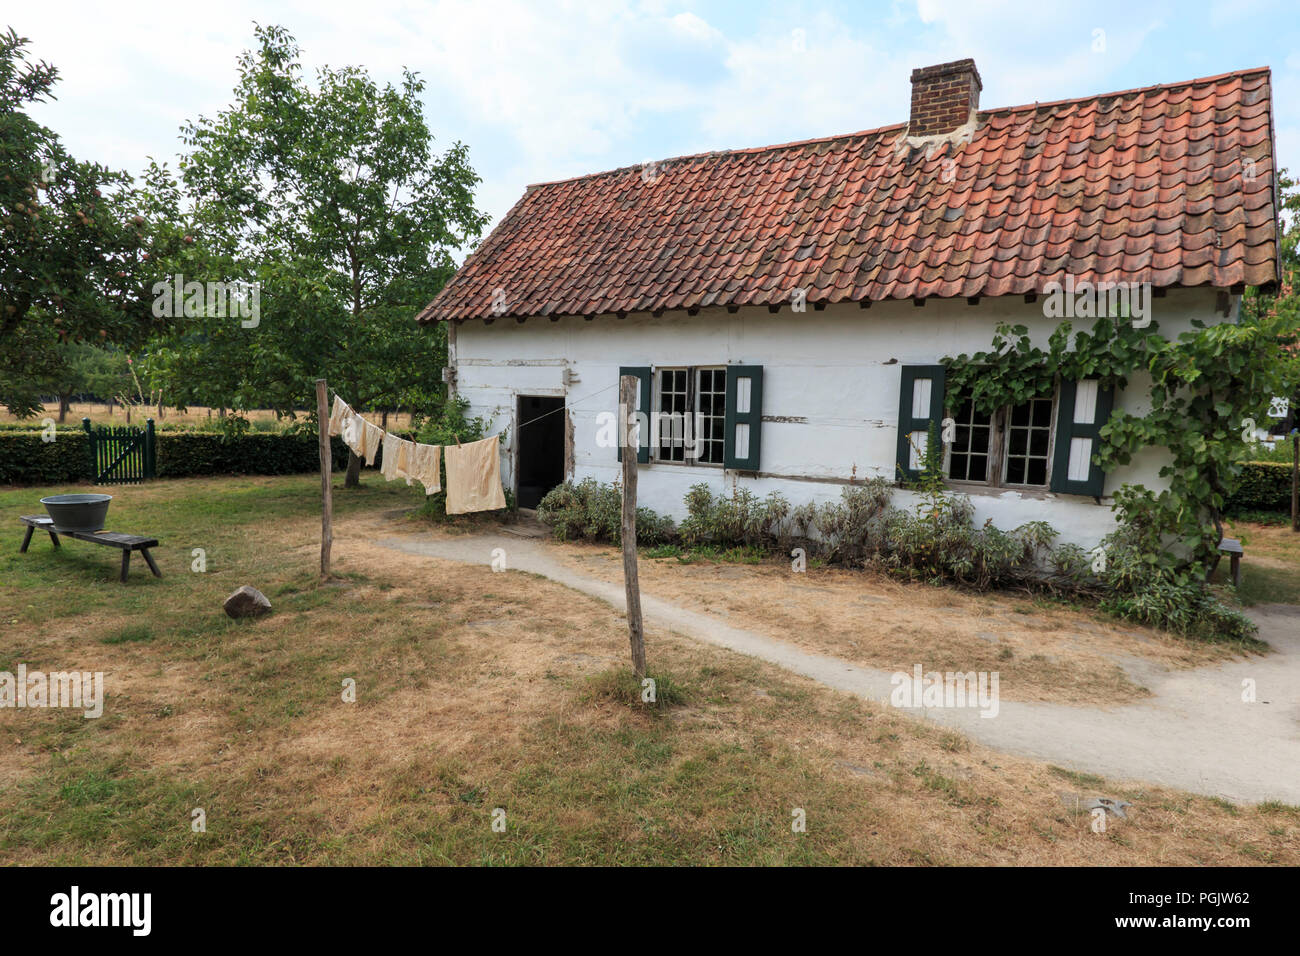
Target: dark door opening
540	440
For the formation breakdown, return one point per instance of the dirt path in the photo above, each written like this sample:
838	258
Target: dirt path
1194	732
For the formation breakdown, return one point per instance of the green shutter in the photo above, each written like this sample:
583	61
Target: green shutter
1079	439
643	405
909	421
744	429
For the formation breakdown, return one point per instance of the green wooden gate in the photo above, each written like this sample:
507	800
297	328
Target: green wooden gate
121	454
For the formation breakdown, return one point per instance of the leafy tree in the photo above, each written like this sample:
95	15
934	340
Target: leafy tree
85	369
74	249
332	194
1284	304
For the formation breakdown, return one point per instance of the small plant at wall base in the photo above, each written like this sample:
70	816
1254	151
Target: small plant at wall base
590	511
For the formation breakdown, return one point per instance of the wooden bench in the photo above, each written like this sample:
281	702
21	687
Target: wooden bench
126	543
1233	548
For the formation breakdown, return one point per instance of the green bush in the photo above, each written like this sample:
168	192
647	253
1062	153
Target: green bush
939	543
851	531
738	519
1187	608
1281	451
25	459
1262	486
1143	584
195	454
591	511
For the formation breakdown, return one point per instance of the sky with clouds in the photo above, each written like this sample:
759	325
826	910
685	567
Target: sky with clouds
547	90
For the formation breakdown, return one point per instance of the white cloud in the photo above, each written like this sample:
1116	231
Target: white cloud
547	90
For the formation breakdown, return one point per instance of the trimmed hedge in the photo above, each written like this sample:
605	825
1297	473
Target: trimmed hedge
27	460
1263	486
194	454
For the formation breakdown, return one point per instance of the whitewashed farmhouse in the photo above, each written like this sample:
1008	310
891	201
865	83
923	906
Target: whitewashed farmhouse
795	300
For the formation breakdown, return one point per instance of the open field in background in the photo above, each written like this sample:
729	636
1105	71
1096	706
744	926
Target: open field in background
100	414
478	690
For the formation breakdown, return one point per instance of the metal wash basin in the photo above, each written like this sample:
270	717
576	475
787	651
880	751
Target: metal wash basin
77	512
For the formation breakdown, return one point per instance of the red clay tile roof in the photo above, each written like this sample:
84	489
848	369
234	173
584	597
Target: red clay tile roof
1147	185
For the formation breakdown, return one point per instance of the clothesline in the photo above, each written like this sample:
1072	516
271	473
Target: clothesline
563	407
554	410
473	470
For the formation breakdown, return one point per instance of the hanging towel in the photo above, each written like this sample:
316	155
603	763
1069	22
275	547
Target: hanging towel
388	467
405	454
425	460
372	436
474	477
351	431
337	415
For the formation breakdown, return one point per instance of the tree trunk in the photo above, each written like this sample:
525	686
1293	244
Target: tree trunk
353	477
64	402
383	419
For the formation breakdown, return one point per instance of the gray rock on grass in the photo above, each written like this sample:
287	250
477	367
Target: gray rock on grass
247	602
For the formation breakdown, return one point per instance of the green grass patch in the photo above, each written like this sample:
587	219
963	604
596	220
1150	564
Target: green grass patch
131	634
620	686
1078	779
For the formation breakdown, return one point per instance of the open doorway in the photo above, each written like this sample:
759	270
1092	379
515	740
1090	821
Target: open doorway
540	440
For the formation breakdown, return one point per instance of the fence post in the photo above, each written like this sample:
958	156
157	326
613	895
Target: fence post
627	390
90	449
326	478
150	450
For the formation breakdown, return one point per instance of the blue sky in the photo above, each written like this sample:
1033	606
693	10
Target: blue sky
543	91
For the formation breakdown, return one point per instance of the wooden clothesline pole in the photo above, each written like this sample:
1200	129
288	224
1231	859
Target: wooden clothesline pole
326	469
628	385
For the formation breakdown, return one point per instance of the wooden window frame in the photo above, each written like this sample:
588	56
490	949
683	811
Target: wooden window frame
692	398
999	448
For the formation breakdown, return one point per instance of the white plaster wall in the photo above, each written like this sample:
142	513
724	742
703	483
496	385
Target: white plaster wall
837	372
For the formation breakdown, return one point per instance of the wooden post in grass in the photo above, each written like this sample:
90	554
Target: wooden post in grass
627	391
326	469
1295	478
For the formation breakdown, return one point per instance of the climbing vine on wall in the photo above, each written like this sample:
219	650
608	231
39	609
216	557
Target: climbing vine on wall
1207	385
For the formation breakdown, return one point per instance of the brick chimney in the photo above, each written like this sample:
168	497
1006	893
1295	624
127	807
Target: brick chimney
943	97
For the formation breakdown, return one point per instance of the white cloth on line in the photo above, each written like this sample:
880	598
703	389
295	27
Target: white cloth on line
474	477
340	411
424	467
372	436
388	464
350	430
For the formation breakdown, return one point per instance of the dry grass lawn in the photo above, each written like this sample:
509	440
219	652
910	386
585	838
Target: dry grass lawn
478	691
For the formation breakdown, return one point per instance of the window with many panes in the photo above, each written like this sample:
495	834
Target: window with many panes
1011	447
692	403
